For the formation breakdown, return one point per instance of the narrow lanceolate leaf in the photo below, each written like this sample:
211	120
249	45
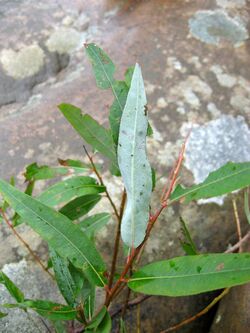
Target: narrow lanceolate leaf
121	92
36	172
47	309
94	223
101	323
59	326
69	189
61	234
65	281
2	314
13	290
228	178
187	243
192	275
133	163
91	131
80	206
103	66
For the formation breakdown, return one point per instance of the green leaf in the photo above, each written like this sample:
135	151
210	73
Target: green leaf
65	282
80	206
128	75
2	315
103	66
106	325
187	244
101	323
133	163
66	238
59	326
35	172
69	189
121	92
246	205
75	164
89	304
95	322
91	131
94	223
153	173
122	326
47	309
13	290
192	275
228	178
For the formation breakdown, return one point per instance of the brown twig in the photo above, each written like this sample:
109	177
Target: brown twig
199	314
238	244
37	259
237	221
117	241
138	318
101	182
125	304
138	300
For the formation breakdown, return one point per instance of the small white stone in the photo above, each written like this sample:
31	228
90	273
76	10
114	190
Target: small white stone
211	107
161	103
29	154
45	145
68	20
181	110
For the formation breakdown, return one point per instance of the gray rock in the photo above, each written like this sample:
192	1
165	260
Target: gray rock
35	284
212	27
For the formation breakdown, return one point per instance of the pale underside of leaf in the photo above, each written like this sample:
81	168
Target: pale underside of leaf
133	163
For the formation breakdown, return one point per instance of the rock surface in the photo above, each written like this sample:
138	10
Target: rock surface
233	312
35	284
188	81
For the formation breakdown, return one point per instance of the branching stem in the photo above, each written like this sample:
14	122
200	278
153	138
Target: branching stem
102	183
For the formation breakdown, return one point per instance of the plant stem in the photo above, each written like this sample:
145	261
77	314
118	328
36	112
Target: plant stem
238	244
199	314
151	222
81	313
127	297
37	259
101	182
237	221
138	300
117	241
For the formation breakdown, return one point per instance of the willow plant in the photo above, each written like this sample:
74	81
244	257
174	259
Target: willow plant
61	216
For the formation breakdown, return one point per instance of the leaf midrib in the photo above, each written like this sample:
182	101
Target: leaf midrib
60	233
107	76
132	165
63	192
98	221
187	275
208	184
106	147
81	205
